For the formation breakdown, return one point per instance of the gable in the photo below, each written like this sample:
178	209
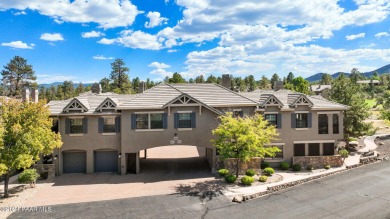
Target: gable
107	104
302	100
183	100
272	101
74	106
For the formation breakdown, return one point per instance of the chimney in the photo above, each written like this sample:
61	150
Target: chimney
96	88
34	95
142	87
226	81
26	95
278	85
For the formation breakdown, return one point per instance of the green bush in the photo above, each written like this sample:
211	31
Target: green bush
269	171
284	166
343	153
352	139
44	175
230	178
250	172
264	164
297	167
327	167
310	167
263	178
28	176
247	180
223	172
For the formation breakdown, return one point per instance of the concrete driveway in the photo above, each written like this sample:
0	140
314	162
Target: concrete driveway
164	169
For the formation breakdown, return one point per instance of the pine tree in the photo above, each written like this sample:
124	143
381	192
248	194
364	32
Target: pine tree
119	78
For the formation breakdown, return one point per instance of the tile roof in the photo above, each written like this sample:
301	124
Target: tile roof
319	87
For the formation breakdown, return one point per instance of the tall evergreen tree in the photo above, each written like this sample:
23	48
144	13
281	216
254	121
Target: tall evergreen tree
290	77
199	79
176	78
16	75
211	79
105	83
135	84
264	83
275	77
250	83
119	77
326	79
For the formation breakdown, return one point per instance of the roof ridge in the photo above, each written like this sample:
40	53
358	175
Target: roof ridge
234	92
326	100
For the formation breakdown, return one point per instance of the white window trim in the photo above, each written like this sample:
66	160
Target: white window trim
271	113
184	129
149	130
301	112
76	135
149	112
237	110
76	117
260	110
108	117
329	112
301	129
275	144
184	111
109	133
314	141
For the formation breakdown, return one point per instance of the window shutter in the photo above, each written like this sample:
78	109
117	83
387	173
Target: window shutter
241	114
165	121
133	121
100	125
293	120
118	124
85	125
279	121
193	120
309	120
67	126
176	122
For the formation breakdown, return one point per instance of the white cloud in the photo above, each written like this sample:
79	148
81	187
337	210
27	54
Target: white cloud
52	37
101	57
106	41
356	36
20	13
19	45
381	34
171	50
138	40
155	19
159	65
107	13
92	34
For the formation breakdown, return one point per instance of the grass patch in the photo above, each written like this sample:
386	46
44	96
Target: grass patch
371	102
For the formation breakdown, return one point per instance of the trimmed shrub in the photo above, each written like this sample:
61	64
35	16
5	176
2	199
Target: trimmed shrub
264	164
284	166
250	172
269	171
44	175
263	178
28	176
230	178
223	172
327	167
310	167
247	180
297	167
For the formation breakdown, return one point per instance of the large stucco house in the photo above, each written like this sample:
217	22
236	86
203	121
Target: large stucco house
105	132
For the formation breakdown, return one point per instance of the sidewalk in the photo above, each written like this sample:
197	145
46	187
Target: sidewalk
370	143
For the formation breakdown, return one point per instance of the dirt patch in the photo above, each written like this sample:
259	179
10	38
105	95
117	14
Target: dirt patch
383	146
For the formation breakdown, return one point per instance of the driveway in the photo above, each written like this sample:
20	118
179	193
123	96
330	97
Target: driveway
164	169
359	193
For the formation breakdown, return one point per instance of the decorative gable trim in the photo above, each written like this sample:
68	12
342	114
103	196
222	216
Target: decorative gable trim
75	105
272	101
107	104
302	100
186	100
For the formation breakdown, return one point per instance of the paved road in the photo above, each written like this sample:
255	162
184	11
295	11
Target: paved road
359	193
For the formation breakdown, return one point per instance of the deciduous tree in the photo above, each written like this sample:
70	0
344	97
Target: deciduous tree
244	138
25	133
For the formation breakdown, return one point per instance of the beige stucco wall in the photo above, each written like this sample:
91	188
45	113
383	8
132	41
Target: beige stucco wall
89	142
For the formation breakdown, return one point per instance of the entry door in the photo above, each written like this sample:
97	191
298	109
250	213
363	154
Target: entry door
106	161
74	162
132	163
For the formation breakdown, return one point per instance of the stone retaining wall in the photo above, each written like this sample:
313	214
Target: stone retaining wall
319	161
50	168
230	164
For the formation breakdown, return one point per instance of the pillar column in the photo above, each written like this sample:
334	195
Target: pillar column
306	149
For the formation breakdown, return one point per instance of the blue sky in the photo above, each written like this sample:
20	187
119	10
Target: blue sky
77	40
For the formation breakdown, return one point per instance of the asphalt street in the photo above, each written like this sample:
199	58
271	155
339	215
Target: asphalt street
359	193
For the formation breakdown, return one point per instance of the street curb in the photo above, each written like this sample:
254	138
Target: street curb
273	189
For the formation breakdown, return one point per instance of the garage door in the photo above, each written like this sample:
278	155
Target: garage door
106	161
74	162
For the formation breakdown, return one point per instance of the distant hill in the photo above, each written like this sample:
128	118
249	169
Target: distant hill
55	84
381	70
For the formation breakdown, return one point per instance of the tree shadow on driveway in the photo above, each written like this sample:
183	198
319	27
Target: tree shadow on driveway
204	190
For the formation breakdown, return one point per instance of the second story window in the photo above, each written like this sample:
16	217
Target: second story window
237	113
185	120
149	121
76	126
322	124
55	125
335	124
301	120
272	119
109	125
